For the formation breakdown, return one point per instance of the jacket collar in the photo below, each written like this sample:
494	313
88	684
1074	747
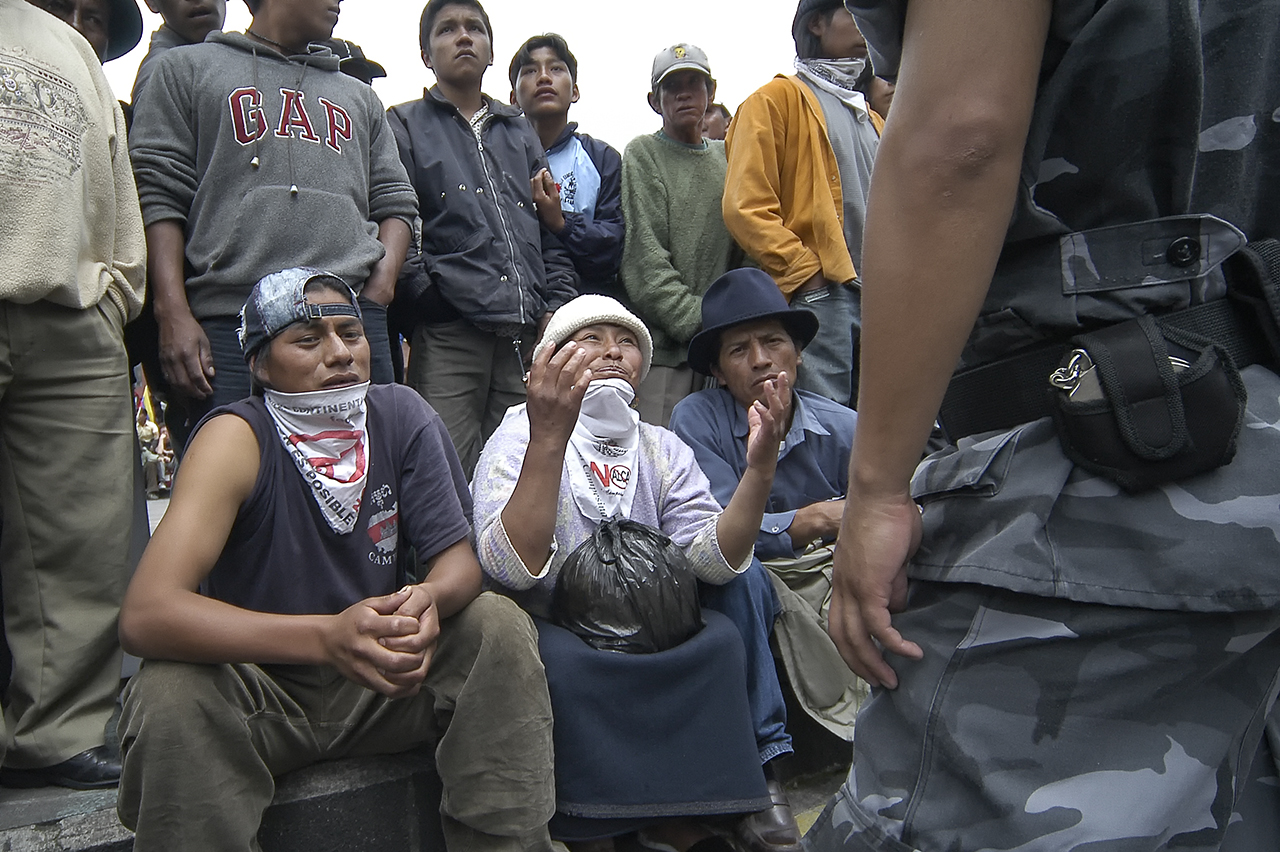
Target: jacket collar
496	108
563	139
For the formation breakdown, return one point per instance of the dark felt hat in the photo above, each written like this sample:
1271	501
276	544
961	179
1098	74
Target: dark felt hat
124	28
744	295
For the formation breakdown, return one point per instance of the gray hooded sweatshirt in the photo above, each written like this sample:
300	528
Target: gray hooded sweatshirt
268	162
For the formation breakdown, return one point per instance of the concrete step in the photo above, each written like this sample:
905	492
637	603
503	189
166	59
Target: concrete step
368	803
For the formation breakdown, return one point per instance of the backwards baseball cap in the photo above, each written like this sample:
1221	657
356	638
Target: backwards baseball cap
279	300
678	57
352	61
124	28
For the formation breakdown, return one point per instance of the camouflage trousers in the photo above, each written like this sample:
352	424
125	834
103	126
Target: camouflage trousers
1040	725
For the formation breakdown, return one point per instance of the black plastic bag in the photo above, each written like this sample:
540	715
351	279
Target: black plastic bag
628	588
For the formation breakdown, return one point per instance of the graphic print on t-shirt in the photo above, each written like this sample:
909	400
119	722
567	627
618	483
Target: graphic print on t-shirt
384	526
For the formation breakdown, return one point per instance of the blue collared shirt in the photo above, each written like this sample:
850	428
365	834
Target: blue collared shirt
813	464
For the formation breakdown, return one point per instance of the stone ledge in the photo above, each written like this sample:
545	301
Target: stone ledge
385	802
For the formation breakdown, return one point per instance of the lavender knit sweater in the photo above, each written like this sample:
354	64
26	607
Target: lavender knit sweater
672	495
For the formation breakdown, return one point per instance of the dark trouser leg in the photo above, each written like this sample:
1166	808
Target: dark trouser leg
829	364
507	386
750	602
662	389
375	331
451	367
231	381
202	744
197	774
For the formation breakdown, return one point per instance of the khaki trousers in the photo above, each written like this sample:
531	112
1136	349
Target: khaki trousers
470	377
66	498
202	743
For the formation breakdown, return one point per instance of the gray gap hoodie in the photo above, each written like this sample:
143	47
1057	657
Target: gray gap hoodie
222	134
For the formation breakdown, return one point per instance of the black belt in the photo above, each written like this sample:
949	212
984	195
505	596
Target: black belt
1015	390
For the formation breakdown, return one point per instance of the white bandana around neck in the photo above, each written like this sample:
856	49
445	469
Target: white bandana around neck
606	441
327	435
836	77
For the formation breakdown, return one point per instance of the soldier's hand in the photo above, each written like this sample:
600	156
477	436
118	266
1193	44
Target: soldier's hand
877	537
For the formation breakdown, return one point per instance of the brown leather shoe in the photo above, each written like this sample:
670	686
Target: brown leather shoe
771	830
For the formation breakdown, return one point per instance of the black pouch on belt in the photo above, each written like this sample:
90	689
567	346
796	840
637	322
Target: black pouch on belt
1143	404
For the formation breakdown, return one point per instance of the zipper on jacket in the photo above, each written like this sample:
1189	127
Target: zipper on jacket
506	226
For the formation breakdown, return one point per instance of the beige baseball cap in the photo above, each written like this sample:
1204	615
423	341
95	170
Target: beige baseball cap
678	57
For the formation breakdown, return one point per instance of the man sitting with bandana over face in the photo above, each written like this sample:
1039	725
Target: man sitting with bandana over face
277	626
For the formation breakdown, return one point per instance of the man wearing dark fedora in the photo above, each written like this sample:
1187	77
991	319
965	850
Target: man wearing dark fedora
750	335
112	27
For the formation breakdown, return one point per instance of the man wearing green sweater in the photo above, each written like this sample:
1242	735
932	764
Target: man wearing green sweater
676	242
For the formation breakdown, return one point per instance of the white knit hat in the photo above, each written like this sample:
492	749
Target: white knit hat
591	309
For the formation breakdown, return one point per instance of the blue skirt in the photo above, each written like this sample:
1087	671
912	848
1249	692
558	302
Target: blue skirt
639	737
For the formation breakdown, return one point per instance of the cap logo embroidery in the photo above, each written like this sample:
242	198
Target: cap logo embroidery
679	52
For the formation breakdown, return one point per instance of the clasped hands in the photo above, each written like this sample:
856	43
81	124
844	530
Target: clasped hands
386	643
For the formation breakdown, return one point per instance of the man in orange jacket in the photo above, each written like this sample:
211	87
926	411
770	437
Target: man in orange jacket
800	154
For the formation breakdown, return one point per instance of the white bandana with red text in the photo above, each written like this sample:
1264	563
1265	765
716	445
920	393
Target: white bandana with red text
605	445
326	433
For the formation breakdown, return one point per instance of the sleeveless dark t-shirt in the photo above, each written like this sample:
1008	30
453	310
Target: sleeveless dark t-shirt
282	556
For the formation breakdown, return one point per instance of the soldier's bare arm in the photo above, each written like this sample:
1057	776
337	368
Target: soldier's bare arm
942	194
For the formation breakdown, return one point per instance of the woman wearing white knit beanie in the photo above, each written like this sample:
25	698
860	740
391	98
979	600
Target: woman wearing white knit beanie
643	741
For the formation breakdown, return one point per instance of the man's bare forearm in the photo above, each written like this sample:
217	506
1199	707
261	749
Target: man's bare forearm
394	234
942	194
166	253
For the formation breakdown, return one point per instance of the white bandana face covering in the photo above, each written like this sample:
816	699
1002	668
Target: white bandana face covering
326	434
605	447
836	77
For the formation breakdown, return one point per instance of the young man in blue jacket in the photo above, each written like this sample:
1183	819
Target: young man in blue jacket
581	200
488	274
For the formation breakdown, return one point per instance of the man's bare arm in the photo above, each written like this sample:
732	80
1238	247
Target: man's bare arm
394	234
454	577
185	356
941	197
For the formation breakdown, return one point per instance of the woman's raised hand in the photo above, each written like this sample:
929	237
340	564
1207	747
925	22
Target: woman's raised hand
558	380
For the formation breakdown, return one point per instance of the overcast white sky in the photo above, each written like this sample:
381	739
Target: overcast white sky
747	42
